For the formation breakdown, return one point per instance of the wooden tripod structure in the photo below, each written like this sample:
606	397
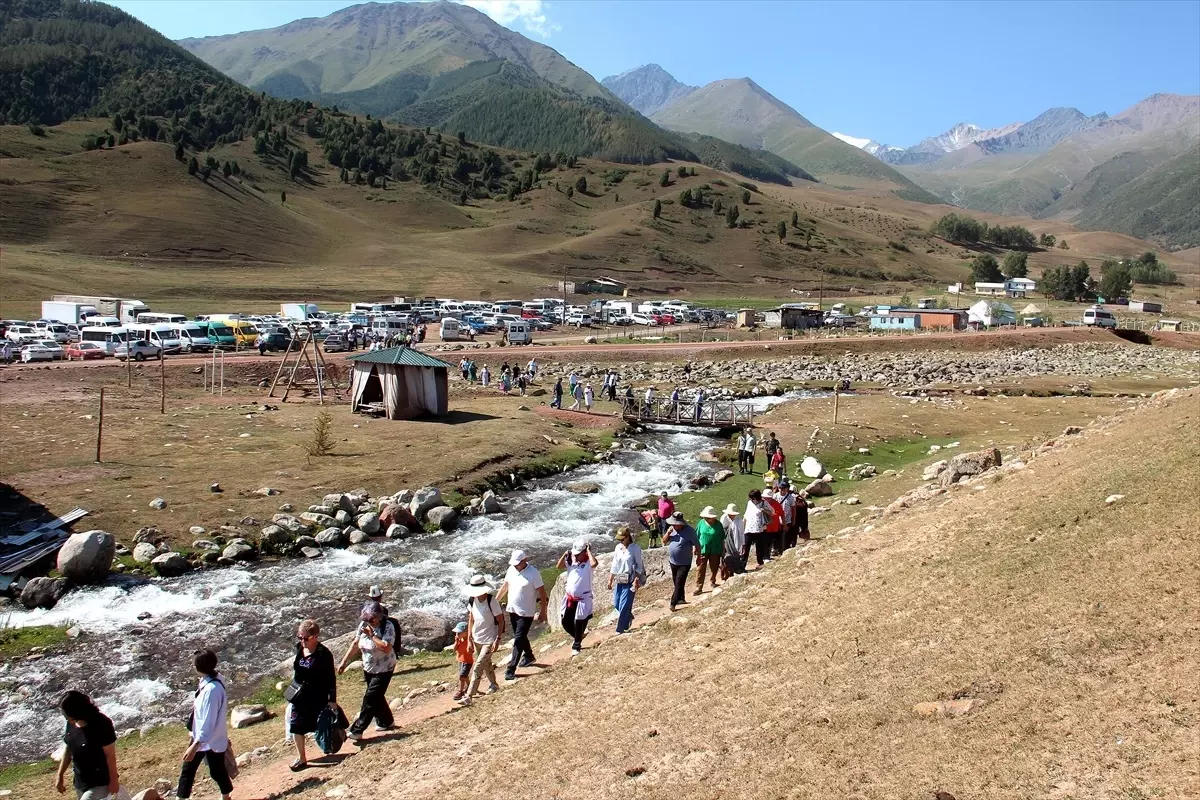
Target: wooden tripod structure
316	363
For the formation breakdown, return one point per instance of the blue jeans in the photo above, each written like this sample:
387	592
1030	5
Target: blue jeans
623	595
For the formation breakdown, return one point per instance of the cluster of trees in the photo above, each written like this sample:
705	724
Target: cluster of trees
757	164
1117	278
968	230
1148	269
1068	283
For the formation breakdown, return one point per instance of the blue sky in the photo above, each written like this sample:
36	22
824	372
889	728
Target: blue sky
892	71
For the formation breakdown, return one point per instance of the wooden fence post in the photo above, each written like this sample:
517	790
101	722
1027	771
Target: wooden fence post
836	395
100	426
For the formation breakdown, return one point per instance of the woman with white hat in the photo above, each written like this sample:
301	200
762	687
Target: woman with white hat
626	573
735	542
681	542
485	625
712	544
578	562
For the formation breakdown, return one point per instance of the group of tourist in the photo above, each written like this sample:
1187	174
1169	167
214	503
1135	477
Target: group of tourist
511	376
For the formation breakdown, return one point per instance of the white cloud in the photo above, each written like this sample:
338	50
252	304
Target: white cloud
530	14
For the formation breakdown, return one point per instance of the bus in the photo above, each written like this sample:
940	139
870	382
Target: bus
155	318
107	337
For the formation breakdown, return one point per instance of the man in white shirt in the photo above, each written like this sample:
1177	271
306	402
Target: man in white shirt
755	524
790	530
746	445
527	602
485	625
376	642
648	405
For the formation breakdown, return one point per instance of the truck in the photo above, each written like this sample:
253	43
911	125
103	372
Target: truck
301	311
67	312
124	309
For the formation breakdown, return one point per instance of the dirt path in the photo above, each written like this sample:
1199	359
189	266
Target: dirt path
273	778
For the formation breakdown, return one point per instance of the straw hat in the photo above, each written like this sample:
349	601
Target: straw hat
579	546
517	557
621	532
731	510
708	513
478	586
375	593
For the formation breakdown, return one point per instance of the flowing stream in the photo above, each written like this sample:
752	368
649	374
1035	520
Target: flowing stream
134	657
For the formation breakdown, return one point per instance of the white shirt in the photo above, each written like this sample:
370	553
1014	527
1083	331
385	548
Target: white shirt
375	660
733	529
627	560
208	718
522	590
649	395
789	507
485	630
753	520
579	584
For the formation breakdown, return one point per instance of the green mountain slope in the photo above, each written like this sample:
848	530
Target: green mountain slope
740	111
1160	204
758	164
367	45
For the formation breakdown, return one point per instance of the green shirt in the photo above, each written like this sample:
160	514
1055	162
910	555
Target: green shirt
712	537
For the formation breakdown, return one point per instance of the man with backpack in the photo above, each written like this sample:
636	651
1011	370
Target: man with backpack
485	626
377	640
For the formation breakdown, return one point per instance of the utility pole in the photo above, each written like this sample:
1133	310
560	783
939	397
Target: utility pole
563	317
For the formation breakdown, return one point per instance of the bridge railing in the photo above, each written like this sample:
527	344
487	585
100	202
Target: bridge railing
710	413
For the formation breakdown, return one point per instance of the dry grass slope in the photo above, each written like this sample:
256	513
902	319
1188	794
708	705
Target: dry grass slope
1073	623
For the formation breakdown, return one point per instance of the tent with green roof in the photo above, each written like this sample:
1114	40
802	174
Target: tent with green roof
401	382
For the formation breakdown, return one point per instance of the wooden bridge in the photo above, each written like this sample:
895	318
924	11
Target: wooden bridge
710	414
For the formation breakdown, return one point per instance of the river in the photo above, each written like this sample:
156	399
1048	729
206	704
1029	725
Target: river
134	657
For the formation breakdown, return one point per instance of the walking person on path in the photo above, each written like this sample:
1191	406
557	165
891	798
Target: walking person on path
778	462
572	379
629	401
485	376
698	409
532	368
314	681
558	393
755	520
648	405
675	403
465	658
376	641
579	563
462	367
472	374
626	574
735	542
711	538
527	603
802	516
210	736
90	752
485	626
682	544
588	398
522	382
789	502
746	445
774	526
577	393
769	447
665	509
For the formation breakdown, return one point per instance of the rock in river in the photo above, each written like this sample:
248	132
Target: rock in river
87	557
171	565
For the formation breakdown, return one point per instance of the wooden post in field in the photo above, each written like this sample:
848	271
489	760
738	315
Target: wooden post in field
162	383
100	426
128	367
836	395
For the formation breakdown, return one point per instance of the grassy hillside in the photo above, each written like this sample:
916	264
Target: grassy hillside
761	165
1159	204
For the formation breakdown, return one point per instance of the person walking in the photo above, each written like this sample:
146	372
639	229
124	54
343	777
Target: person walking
682	544
788	502
774	527
769	447
462	367
755	521
588	398
532	368
735	542
485	376
711	538
210	735
485	626
698	409
674	408
629	405
6	352
522	382
626	574
611	383
576	610
577	394
779	462
558	393
746	445
376	642
90	752
572	379
472	373
651	524
465	658
314	687
527	603
648	404
802	516
665	509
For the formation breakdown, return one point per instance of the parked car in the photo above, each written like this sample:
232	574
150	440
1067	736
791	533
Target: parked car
642	319
336	343
74	332
579	320
36	352
85	351
280	339
542	324
22	334
620	319
53	346
138	350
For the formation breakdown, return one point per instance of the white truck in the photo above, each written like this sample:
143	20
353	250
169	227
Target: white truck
300	311
124	309
67	312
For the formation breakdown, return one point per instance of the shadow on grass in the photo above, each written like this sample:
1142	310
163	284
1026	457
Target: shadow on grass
458	418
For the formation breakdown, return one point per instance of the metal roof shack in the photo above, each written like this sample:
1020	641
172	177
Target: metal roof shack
400	383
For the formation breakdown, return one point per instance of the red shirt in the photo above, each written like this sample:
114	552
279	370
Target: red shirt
776	523
665	508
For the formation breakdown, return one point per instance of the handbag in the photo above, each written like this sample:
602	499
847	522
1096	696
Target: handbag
623	578
330	735
231	765
289	693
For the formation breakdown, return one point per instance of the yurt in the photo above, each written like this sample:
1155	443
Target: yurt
401	382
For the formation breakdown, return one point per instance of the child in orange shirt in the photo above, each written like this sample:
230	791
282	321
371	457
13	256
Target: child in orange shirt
462	649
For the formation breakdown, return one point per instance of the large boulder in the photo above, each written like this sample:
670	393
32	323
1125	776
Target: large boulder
819	488
424	500
966	464
275	535
317	519
368	523
331	537
811	468
397	514
357	536
170	565
290	523
42	592
144	552
87	557
490	504
245	716
444	517
934	470
583	487
658	569
420	630
238	551
395	531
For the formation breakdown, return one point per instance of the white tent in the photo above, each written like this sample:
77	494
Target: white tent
991	313
1030	310
406	383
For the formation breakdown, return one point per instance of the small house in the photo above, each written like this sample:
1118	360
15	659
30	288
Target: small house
601	286
400	382
1019	287
990	289
942	319
1169	325
1146	306
895	319
793	317
990	313
745	318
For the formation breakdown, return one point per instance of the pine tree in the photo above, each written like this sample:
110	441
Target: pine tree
179	151
657	209
795	220
570	192
745	197
717	207
237	169
226	169
731	217
193	166
283	197
685	198
462	197
781	230
665	180
581	185
206	172
682	172
321	443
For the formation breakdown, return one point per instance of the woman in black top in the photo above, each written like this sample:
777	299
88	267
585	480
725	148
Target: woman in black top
314	673
90	740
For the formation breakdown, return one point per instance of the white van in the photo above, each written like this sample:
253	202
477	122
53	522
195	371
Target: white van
452	308
155	318
193	338
163	336
519	332
1097	317
449	329
97	321
384	327
107	337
